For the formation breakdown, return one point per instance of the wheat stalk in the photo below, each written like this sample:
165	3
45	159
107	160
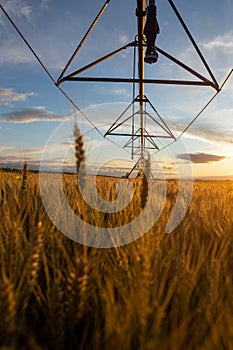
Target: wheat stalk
82	175
80	157
9	304
144	182
36	252
25	176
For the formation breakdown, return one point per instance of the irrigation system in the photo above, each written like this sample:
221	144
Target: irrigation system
140	140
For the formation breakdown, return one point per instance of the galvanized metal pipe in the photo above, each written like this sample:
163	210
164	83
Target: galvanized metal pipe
84	39
141	13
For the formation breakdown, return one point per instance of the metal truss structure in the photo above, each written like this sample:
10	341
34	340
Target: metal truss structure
140	140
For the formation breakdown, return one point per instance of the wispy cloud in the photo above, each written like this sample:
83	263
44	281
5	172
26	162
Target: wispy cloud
12	52
112	92
215	47
224	41
8	96
45	4
19	8
34	163
11	162
25	14
30	115
5	148
123	39
201	158
220	46
52	159
213	132
52	150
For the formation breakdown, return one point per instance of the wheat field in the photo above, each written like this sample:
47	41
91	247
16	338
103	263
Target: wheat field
163	291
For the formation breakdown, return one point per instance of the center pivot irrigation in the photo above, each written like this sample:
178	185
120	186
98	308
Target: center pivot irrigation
140	140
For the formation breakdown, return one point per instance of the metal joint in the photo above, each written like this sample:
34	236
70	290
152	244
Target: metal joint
140	14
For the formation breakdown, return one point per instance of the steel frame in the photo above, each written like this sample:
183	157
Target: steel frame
146	140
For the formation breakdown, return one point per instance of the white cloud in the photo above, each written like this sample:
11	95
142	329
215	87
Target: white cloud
8	96
208	132
13	157
30	115
120	92
19	8
45	4
5	148
26	12
22	12
50	149
224	41
123	39
217	51
12	52
39	108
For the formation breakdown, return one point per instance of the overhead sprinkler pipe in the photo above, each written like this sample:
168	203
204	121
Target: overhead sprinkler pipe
151	31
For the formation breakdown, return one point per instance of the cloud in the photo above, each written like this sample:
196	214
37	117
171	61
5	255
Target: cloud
34	163
53	159
107	91
123	39
45	4
217	51
18	8
215	127
201	158
38	151
224	41
25	14
215	132
14	158
9	96
218	47
30	115
214	136
120	92
11	52
5	148
11	162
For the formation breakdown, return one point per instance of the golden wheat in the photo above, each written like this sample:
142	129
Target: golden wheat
25	176
163	291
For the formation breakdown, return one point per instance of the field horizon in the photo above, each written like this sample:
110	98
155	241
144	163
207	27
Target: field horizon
196	178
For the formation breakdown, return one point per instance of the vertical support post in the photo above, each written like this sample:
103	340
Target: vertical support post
141	13
133	110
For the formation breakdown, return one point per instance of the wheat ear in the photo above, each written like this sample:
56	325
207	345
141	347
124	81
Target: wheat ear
25	176
81	173
80	157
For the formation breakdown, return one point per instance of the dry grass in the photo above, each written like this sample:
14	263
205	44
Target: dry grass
164	291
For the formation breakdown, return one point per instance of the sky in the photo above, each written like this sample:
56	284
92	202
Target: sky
37	121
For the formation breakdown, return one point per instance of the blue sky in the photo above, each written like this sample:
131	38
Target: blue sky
31	107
